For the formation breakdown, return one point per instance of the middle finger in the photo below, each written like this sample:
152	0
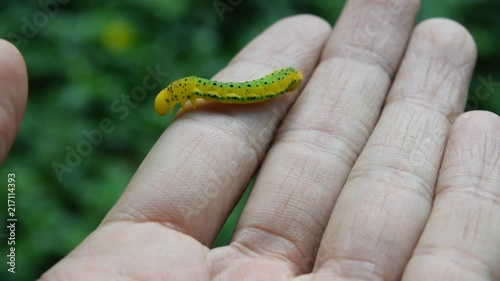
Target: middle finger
323	134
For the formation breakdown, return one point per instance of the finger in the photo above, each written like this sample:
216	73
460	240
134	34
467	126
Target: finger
13	95
388	195
322	136
461	240
197	170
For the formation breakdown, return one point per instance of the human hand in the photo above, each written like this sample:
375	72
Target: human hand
366	177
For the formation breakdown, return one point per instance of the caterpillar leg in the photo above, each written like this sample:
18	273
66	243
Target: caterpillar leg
233	96
196	94
253	98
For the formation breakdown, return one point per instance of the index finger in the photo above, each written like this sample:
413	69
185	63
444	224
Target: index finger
199	167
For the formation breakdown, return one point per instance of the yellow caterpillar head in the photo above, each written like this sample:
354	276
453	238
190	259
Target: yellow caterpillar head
177	92
163	102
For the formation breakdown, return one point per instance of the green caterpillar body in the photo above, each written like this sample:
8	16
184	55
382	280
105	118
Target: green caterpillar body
192	87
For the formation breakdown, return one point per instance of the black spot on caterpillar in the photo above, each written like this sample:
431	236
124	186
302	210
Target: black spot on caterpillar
190	88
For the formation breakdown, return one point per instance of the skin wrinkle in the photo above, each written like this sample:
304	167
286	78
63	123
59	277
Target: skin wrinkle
424	190
245	247
376	60
381	241
132	215
331	132
290	184
345	92
289	139
405	138
472	180
207	162
436	137
418	104
366	269
327	127
325	102
477	193
483	163
371	111
359	64
240	127
364	129
496	165
174	176
429	96
301	230
314	183
477	215
449	84
435	40
377	239
449	81
457	73
394	28
127	215
457	256
402	151
168	220
288	178
299	210
347	154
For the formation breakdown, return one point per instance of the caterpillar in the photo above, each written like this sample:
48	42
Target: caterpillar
190	88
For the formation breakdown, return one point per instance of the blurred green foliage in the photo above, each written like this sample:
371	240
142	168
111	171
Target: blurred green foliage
88	54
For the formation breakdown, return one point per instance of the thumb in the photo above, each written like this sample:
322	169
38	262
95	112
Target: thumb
13	95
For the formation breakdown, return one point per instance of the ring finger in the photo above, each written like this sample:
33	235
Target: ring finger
461	240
